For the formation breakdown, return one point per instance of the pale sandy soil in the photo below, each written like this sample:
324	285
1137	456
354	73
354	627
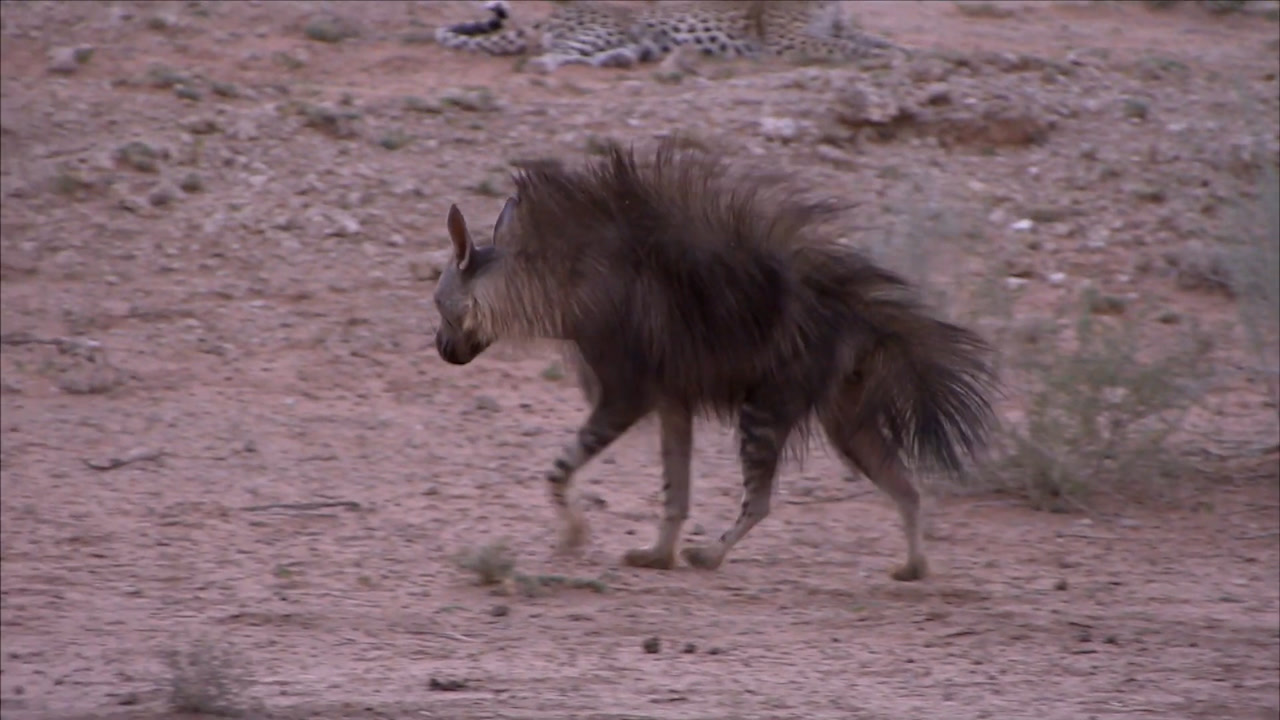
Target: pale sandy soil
268	339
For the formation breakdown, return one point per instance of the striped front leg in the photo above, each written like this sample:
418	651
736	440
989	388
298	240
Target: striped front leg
606	423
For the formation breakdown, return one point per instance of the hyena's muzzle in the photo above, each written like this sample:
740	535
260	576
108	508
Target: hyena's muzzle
457	346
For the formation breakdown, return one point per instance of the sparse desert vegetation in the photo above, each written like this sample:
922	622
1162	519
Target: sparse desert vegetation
222	415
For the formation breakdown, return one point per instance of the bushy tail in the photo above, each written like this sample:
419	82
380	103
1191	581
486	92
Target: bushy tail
926	383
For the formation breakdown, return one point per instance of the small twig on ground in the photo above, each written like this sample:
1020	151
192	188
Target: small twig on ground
1086	536
132	456
995	503
453	636
1258	536
1252	507
304	506
444	634
825	500
22	338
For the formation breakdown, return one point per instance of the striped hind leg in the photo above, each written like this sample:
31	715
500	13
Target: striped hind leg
608	420
865	449
763	431
677	452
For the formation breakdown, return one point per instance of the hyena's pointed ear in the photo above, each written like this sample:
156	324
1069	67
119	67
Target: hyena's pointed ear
462	245
505	217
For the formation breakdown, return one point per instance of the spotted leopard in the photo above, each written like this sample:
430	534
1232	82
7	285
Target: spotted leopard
607	34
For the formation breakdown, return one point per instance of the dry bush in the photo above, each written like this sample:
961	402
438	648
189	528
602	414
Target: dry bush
1255	276
207	679
492	563
1096	390
1099	406
495	565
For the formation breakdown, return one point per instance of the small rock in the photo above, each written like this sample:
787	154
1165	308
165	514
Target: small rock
937	94
224	89
1057	278
779	128
191	183
187	92
447	685
487	404
476	100
329	29
1107	305
1134	108
715	650
66	60
161	196
160	23
417	104
1023	225
345	224
139	156
689	649
1060	585
163	76
499	610
1149	193
651	645
201	126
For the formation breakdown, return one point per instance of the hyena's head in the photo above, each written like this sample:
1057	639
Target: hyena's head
466	324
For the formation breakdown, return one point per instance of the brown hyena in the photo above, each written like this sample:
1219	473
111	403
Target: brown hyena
680	291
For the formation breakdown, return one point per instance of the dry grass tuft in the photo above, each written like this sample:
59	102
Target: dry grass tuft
207	679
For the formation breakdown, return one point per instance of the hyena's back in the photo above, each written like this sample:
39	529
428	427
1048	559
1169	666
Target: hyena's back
686	287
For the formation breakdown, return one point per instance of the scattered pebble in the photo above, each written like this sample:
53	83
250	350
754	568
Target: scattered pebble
779	128
449	685
191	183
329	29
67	60
651	645
139	156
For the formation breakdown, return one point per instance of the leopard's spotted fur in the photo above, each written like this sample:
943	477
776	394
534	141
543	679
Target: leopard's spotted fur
611	35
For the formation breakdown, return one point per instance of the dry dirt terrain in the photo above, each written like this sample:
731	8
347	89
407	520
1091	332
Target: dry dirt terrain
237	477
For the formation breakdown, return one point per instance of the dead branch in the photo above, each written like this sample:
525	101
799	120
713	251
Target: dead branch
304	506
128	458
1086	536
1258	536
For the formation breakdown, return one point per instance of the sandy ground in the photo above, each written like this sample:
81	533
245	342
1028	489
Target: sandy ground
224	420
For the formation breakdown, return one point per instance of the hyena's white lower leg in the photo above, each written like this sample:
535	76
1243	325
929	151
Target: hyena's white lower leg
677	452
761	448
866	450
604	426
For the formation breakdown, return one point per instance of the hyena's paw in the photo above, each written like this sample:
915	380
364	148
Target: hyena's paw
649	558
703	557
914	569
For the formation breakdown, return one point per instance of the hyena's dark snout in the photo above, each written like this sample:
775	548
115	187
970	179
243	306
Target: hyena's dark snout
458	351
